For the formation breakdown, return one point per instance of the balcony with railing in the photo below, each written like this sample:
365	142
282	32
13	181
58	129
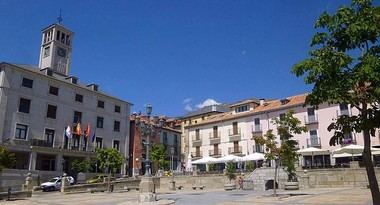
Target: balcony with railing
215	153
234	134
235	150
313	142
197	140
311	119
258	148
214	137
196	155
342	112
257	130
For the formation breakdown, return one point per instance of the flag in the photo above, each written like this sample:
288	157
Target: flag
93	137
68	132
87	131
78	130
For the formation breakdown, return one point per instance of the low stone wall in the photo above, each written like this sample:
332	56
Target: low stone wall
117	185
15	178
337	177
15	195
209	181
261	176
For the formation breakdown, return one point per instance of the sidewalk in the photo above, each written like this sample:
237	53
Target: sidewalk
325	196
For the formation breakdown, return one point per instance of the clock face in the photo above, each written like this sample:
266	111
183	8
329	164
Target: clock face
61	52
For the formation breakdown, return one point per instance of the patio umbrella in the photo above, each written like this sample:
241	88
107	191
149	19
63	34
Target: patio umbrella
353	150
344	155
228	158
253	157
205	160
311	151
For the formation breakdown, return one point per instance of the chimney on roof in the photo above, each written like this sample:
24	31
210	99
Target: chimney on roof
47	71
73	79
213	108
93	86
262	100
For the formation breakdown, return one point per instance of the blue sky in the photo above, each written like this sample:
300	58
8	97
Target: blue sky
173	54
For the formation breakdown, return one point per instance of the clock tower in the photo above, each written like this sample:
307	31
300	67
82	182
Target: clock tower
56	47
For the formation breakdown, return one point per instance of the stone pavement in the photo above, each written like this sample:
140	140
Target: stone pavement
326	196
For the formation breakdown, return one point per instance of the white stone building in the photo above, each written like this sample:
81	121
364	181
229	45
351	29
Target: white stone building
38	103
232	132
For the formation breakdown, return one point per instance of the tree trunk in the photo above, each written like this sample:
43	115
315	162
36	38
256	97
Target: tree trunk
367	157
373	185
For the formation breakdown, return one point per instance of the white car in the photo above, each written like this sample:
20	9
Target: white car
55	183
52	184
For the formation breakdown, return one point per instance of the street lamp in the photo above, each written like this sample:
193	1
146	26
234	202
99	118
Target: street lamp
146	128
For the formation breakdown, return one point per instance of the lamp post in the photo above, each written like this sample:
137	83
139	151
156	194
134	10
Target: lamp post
146	128
172	183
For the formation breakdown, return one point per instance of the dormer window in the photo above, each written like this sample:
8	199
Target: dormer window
284	101
242	108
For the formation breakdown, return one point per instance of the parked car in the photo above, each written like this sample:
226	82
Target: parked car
55	183
52	185
98	179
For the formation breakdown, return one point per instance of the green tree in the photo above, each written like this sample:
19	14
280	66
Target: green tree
287	126
230	171
109	159
249	166
7	159
344	68
81	165
158	156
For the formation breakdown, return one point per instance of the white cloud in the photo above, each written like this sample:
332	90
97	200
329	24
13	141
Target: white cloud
207	102
187	100
188	108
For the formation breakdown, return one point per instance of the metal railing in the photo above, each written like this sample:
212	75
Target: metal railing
256	129
314	142
234	132
235	150
311	119
215	152
197	154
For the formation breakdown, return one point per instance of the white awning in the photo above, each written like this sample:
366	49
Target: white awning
253	157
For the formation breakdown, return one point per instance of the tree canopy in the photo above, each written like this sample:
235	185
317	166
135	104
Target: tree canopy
109	158
7	159
344	68
158	155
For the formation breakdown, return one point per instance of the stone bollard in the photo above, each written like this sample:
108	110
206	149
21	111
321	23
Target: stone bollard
64	182
28	182
305	180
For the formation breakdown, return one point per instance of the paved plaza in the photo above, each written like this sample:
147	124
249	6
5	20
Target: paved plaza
326	196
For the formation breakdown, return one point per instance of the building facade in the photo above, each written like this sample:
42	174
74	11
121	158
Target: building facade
163	133
233	132
193	118
38	104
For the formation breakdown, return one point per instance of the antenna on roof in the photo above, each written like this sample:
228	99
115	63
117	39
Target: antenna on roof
60	19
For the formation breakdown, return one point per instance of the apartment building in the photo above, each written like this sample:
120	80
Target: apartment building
38	104
193	118
232	132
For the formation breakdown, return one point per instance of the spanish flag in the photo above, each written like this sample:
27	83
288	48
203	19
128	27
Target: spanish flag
78	130
87	131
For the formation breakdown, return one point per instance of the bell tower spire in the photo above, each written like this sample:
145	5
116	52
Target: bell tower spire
56	48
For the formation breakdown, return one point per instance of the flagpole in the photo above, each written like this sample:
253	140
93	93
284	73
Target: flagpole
63	137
